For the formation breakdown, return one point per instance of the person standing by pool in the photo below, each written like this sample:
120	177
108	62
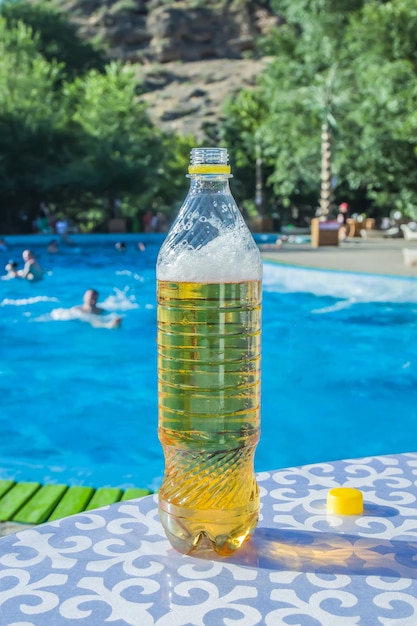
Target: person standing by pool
61	227
91	313
32	270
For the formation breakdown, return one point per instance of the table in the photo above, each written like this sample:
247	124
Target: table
114	565
324	233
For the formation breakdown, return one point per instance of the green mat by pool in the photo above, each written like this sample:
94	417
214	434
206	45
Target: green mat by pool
33	503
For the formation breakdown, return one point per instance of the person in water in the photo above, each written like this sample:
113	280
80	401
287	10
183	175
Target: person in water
88	311
32	270
52	246
11	269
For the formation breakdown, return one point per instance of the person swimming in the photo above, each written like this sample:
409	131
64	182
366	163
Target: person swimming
89	312
52	246
32	270
12	271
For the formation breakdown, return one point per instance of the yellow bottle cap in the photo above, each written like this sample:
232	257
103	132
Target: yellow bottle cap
344	501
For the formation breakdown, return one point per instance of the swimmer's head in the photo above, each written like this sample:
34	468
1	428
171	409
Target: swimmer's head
90	297
27	254
120	245
11	266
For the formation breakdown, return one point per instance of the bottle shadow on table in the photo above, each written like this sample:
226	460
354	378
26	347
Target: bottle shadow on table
331	551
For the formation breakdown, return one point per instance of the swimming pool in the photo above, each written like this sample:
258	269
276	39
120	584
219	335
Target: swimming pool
79	404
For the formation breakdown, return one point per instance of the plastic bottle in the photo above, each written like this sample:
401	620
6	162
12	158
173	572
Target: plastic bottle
209	273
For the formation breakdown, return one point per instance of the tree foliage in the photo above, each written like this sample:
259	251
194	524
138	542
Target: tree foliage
57	39
351	64
30	116
76	138
382	119
74	132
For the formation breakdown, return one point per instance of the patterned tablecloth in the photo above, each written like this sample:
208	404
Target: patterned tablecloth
114	565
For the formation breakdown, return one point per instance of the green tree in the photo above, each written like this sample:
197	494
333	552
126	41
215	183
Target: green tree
123	156
31	121
77	144
380	130
349	65
244	115
300	86
56	38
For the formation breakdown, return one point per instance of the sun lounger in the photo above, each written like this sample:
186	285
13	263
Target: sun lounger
409	233
368	233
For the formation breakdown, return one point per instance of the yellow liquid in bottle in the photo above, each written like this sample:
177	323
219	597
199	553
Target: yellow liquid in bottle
209	350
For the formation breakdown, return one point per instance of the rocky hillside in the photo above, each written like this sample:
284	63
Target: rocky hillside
188	98
191	54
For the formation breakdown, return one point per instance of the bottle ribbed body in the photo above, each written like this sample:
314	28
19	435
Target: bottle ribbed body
209	353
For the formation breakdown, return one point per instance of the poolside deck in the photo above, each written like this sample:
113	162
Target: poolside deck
374	256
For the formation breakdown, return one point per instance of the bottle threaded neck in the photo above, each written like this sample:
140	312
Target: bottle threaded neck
209	161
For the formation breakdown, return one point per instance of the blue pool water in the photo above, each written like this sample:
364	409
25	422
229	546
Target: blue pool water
79	405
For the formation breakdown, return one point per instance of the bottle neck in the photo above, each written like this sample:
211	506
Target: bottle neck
209	184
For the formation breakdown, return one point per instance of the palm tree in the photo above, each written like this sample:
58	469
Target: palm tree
325	99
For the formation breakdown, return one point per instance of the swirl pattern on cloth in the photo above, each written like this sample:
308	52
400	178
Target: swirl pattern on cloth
302	566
